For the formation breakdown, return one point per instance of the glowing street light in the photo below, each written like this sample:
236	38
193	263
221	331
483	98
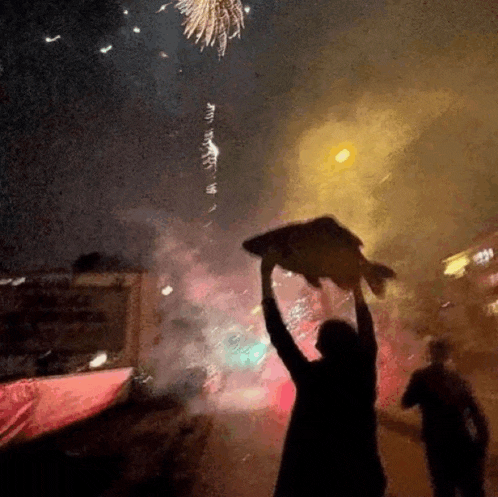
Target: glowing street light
343	155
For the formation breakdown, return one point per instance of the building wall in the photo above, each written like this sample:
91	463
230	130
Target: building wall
71	317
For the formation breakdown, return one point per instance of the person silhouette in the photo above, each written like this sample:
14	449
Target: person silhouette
330	447
454	429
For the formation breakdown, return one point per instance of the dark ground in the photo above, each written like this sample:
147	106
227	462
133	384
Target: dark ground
141	449
155	448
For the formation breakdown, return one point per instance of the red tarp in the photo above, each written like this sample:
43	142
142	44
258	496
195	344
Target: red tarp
29	408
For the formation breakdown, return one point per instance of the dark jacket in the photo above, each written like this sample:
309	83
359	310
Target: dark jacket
452	422
331	446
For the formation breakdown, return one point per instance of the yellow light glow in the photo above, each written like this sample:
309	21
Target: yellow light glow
342	155
256	310
455	266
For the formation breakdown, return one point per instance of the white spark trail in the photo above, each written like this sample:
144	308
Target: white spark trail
210	156
50	40
212	189
210	113
163	7
211	153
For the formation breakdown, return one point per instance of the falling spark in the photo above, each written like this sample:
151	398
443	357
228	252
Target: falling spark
106	49
50	40
256	310
136	29
163	7
125	12
164	55
210	156
211	189
19	281
212	21
210	113
247	9
167	290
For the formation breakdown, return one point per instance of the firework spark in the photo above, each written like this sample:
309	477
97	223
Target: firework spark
163	7
210	155
212	21
212	189
210	113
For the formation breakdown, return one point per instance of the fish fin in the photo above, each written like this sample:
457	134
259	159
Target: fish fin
376	276
313	281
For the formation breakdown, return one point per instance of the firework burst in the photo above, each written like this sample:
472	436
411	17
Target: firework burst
212	21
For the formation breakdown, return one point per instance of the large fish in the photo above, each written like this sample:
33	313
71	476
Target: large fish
321	248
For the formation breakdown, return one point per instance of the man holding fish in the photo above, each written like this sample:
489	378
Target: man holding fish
331	444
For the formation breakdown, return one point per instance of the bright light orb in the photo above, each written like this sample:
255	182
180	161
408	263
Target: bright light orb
99	359
247	9
343	155
167	290
106	49
136	29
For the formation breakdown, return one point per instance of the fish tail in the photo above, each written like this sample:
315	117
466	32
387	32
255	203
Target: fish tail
376	276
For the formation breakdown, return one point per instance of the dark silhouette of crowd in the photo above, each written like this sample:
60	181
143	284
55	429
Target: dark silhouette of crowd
331	444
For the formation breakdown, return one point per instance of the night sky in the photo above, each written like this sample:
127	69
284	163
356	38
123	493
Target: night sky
101	147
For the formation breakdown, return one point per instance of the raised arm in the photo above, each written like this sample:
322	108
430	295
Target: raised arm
288	351
364	322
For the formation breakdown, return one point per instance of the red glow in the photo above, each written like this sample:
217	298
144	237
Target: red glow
34	407
284	396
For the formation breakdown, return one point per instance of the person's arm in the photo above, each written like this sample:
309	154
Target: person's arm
288	351
364	323
481	424
411	397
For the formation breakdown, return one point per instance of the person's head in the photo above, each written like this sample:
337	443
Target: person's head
337	336
439	350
